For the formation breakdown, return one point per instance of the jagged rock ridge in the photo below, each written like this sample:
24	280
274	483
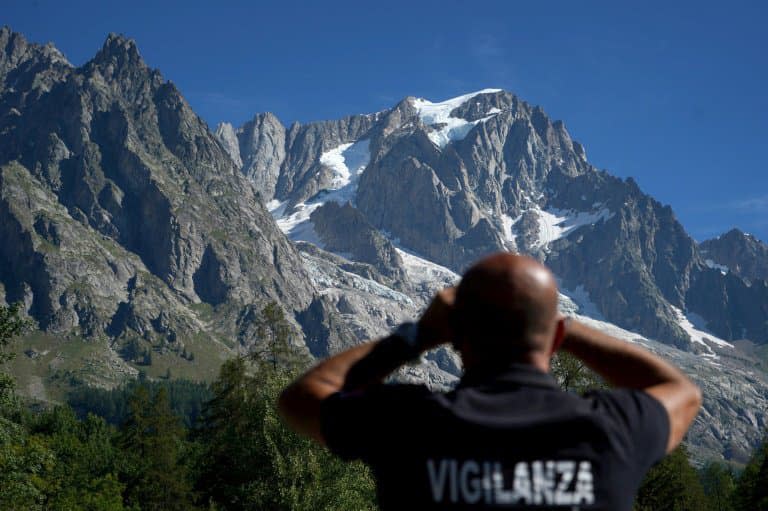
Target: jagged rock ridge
739	253
455	180
122	215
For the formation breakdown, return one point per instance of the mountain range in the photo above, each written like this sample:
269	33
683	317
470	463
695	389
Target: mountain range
133	233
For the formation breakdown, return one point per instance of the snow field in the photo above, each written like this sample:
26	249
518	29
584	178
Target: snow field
422	271
693	324
348	161
554	223
712	264
453	128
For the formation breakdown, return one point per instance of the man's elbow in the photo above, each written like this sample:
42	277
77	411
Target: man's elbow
696	398
300	412
682	401
690	403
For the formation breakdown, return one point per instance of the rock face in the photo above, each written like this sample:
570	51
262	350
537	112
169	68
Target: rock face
739	253
732	293
226	134
453	181
344	229
262	148
122	216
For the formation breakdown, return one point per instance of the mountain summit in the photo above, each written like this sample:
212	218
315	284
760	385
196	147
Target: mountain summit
125	221
485	171
737	252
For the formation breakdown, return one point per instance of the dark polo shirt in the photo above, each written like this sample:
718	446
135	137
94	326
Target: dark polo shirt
512	440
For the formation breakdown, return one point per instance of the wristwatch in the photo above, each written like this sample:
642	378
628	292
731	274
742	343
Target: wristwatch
408	333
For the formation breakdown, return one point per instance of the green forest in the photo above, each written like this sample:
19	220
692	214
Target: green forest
181	445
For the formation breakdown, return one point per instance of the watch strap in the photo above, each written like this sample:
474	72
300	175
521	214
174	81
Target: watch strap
408	334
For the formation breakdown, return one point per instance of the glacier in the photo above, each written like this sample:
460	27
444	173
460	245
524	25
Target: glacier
347	162
450	128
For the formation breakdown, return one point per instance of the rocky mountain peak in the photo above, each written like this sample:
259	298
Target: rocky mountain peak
16	53
118	47
261	142
124	217
739	253
119	58
738	235
8	37
454	179
225	132
11	42
12	46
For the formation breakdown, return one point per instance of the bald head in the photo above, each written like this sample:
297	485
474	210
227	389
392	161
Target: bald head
506	309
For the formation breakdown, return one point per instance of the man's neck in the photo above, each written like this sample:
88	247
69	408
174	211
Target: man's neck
537	360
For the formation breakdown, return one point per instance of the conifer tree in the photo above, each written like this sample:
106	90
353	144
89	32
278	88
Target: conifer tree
719	484
83	475
24	460
12	324
752	486
250	460
573	375
274	346
672	485
153	448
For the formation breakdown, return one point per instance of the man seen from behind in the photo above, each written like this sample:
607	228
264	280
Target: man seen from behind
507	437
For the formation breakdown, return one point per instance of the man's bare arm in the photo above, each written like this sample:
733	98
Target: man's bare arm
358	367
299	403
626	365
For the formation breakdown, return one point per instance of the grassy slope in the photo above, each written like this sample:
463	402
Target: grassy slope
47	367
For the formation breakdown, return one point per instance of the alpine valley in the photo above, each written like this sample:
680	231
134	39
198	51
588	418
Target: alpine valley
140	240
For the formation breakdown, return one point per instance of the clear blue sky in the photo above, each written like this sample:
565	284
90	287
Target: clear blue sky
674	95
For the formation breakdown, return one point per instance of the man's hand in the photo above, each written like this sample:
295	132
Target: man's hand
365	364
627	365
435	325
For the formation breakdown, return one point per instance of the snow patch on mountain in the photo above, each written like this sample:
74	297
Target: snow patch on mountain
555	223
508	233
624	335
583	302
448	128
694	326
577	304
423	272
712	264
348	161
324	282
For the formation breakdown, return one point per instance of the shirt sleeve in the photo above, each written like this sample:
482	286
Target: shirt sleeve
364	424
643	420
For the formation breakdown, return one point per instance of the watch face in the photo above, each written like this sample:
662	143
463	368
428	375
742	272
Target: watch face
408	331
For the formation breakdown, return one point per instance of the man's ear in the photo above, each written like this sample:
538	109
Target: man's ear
559	336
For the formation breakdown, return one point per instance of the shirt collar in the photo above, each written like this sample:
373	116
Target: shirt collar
514	374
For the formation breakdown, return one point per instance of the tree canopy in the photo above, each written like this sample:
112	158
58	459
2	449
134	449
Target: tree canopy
153	445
